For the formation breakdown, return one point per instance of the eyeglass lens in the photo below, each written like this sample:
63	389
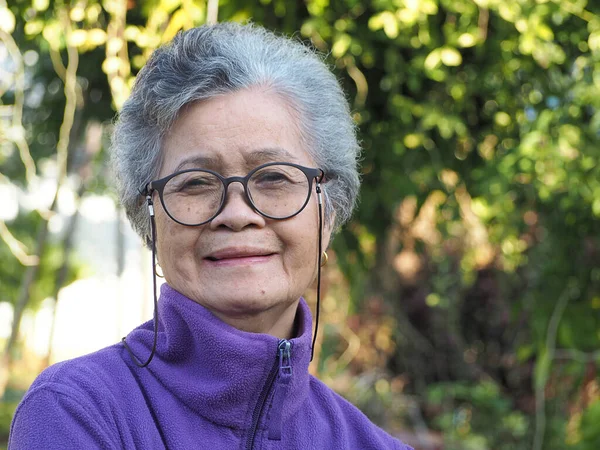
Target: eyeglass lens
277	191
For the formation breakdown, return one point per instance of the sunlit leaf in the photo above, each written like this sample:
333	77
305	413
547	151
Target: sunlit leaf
96	37
40	5
594	41
467	40
77	38
53	33
77	14
387	21
34	27
7	20
341	45
433	59
450	56
177	23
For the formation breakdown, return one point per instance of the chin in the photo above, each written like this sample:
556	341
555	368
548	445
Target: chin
245	304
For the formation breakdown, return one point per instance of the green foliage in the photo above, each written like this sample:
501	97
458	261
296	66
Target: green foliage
25	226
478	417
588	428
480	203
7	410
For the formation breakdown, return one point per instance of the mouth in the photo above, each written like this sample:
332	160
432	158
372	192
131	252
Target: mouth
239	255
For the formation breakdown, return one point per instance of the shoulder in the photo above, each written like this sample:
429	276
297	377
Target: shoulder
72	402
91	376
356	428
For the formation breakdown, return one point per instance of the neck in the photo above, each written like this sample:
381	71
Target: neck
277	321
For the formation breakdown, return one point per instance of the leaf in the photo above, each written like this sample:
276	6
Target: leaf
177	22
34	27
386	20
77	38
594	41
341	45
111	65
545	32
433	59
52	32
450	57
467	40
7	20
41	5
96	37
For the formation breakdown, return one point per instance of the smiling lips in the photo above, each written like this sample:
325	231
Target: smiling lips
238	256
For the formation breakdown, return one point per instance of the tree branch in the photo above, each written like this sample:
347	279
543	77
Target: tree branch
577	355
17	248
212	12
17	131
540	394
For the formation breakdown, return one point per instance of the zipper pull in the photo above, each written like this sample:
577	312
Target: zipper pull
281	386
285	363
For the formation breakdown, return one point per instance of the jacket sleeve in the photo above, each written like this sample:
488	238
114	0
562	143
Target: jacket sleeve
55	416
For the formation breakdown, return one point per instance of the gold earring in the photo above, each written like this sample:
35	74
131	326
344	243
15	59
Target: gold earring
324	258
160	275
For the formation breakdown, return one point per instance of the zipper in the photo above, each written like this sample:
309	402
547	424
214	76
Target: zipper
280	391
281	366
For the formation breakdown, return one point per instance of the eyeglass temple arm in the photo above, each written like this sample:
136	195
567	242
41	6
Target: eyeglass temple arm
320	180
147	192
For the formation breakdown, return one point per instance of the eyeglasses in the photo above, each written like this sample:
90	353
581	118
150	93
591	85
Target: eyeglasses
276	190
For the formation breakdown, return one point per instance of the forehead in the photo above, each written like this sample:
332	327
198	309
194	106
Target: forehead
234	133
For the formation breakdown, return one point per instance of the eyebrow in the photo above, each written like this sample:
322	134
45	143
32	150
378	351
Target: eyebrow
272	154
197	161
253	159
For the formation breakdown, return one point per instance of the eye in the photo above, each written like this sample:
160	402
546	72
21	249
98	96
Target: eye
193	183
198	182
270	177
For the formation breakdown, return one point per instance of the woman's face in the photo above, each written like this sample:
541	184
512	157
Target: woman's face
248	270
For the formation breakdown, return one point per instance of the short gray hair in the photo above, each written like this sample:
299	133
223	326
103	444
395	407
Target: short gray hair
208	61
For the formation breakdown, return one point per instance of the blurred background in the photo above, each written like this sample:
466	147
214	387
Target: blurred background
462	306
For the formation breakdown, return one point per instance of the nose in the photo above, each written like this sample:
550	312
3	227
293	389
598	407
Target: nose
237	212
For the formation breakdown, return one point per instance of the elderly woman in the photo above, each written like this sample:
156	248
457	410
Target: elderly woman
236	159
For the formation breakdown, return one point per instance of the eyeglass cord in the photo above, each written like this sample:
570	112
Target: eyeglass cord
135	359
140	364
314	340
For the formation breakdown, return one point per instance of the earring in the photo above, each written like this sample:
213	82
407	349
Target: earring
160	275
324	258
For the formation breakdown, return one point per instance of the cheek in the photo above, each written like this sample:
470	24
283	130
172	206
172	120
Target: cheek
303	244
174	241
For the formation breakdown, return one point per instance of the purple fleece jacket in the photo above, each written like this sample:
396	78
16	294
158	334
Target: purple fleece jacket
209	386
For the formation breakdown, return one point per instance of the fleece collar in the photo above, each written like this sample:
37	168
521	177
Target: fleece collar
214	369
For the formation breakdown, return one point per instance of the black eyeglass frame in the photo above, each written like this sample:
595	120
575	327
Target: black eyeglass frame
310	173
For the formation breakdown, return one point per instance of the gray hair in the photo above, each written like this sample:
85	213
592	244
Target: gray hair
208	61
